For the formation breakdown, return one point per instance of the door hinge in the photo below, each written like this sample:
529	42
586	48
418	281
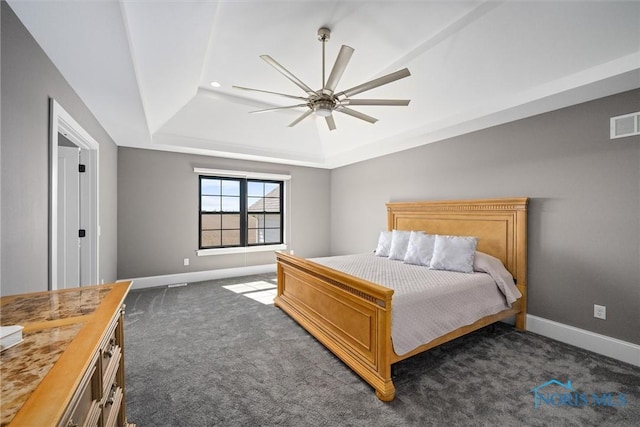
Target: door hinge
82	168
82	233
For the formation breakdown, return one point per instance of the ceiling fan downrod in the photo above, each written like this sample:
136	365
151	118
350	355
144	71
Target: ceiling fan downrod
324	105
324	34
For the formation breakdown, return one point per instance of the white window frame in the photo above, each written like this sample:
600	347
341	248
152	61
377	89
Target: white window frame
286	179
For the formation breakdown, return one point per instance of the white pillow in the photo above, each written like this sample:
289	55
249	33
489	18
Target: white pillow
420	249
454	253
384	244
399	244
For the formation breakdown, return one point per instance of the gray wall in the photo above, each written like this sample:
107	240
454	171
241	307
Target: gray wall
583	230
28	80
158	212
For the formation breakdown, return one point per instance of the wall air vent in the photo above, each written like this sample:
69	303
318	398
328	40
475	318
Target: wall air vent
626	125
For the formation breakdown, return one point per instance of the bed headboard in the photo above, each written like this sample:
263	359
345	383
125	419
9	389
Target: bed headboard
499	224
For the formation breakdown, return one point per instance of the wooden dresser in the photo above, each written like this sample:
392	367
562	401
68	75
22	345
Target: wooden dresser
69	370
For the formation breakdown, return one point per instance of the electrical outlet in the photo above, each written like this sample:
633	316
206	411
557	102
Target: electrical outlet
186	261
599	311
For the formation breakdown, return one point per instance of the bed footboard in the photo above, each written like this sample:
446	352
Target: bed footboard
350	316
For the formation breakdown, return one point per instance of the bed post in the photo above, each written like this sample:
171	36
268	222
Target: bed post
521	262
386	391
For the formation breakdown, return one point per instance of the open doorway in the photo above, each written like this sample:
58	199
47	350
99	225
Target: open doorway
73	226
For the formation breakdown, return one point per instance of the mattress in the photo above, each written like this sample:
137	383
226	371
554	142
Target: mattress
426	303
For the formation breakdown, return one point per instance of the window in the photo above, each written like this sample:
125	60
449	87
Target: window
240	212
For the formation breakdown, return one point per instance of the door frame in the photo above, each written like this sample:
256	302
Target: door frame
60	121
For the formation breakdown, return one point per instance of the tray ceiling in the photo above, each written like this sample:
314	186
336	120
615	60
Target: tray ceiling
144	68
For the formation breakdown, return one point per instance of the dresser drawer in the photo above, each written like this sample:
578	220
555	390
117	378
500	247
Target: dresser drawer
111	406
85	406
110	369
109	348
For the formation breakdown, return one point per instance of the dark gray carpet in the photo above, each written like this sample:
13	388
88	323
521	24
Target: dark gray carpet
204	356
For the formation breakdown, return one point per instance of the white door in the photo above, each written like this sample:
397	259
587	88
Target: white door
68	217
86	243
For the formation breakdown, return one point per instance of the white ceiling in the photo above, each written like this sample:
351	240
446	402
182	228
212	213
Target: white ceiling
143	68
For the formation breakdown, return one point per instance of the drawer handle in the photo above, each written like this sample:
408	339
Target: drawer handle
112	346
111	398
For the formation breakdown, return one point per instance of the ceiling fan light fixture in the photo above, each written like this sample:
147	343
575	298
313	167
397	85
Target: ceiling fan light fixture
323	108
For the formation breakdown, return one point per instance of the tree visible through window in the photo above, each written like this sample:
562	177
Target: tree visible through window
236	212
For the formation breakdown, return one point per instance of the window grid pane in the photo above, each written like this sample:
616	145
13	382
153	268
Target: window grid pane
256	204
230	188
272	235
210	238
230	204
211	186
272	221
255	189
230	222
210	203
272	204
210	221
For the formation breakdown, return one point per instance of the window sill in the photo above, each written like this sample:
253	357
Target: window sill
243	250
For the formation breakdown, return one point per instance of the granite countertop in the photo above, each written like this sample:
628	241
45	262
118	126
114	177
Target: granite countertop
51	321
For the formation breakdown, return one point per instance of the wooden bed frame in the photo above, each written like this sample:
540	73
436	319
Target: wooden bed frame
352	317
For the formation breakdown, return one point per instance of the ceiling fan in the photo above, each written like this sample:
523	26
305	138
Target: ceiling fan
325	101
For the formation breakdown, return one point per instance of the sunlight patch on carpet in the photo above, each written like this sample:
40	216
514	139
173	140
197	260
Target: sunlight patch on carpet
263	292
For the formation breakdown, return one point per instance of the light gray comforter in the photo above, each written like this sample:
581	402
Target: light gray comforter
428	303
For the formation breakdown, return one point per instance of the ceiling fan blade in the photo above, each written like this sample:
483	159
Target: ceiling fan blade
279	108
357	114
287	74
375	83
301	118
330	122
272	93
390	102
338	69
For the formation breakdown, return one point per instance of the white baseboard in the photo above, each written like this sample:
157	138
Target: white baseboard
199	276
602	344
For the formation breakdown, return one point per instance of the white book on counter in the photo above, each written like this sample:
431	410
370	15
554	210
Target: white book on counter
10	336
